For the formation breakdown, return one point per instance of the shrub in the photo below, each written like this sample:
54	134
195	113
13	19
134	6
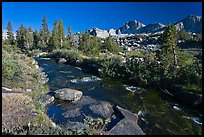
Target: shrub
71	55
111	65
12	70
191	74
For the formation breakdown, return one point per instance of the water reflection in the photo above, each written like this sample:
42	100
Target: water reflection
159	114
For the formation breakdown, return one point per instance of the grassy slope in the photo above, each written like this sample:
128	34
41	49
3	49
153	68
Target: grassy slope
19	73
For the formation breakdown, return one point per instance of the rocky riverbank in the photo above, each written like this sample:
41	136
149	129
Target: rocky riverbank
88	113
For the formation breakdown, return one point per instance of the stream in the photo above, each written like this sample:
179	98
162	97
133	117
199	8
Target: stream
159	113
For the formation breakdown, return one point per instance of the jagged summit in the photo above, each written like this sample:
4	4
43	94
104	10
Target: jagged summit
190	23
131	27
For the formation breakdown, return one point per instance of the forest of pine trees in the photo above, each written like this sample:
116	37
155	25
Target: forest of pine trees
47	40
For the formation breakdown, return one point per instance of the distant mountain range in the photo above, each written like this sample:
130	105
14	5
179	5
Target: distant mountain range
191	24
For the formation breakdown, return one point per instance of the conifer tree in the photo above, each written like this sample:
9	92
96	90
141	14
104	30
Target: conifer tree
35	38
54	42
111	45
44	32
10	35
30	37
168	50
87	38
61	34
70	36
81	42
23	38
94	46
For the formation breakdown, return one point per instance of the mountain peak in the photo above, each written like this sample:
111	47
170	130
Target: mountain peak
190	23
131	27
134	23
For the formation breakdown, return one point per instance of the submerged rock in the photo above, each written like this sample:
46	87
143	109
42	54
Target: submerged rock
61	60
72	113
46	99
176	107
86	79
103	109
85	100
133	89
68	94
90	79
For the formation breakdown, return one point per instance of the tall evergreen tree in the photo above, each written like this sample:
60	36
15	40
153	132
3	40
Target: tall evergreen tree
19	37
23	38
95	45
61	34
44	32
84	42
168	53
87	38
81	42
35	38
30	36
54	41
70	36
10	35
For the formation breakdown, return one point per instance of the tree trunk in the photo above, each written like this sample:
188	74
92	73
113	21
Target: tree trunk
175	58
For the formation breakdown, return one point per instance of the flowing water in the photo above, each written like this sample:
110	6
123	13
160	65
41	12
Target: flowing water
160	114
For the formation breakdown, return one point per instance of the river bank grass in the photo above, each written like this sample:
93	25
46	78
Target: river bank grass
137	67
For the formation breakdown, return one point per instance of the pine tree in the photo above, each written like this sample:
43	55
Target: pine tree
61	34
168	53
36	38
70	36
10	35
23	38
44	32
54	41
30	37
111	45
20	38
94	46
81	42
87	38
86	42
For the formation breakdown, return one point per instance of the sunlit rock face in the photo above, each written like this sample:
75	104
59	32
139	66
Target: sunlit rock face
130	27
191	24
99	33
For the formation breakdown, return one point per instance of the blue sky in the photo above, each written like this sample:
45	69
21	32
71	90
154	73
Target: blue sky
104	15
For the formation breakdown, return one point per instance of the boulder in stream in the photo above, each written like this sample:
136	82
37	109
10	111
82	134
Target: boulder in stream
61	60
103	109
46	99
85	100
128	125
68	94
